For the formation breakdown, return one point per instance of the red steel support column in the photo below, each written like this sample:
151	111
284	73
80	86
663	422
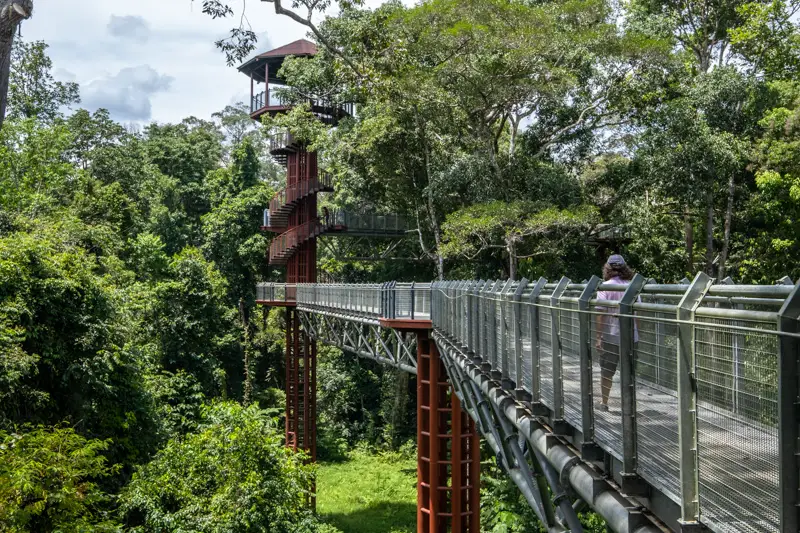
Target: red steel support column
301	350
448	452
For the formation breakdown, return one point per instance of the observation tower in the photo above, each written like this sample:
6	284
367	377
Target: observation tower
293	214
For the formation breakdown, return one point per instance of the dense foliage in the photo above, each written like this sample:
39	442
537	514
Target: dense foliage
522	137
128	263
137	377
232	474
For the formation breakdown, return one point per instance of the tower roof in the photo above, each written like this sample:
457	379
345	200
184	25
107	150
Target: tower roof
301	47
257	66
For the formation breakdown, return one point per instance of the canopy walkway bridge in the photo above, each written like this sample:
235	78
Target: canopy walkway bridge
700	431
702	426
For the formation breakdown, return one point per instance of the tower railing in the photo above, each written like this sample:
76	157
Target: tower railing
281	141
288	196
343	221
282	246
270	99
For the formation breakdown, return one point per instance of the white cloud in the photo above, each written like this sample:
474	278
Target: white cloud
129	27
64	75
104	43
126	94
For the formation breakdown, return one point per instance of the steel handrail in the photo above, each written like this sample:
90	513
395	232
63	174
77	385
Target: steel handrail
284	244
289	195
269	99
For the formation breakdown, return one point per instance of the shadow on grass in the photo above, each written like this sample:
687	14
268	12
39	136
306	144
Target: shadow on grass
382	517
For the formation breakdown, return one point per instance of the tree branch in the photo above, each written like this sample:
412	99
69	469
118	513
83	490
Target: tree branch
280	10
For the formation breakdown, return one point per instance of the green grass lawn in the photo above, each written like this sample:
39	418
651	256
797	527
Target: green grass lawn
369	493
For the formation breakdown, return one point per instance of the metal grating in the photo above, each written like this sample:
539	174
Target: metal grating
527	338
737	425
570	362
607	424
655	360
545	353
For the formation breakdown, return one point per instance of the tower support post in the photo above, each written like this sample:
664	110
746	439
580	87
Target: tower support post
448	450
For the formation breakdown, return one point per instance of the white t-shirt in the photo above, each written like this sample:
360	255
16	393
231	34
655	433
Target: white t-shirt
609	323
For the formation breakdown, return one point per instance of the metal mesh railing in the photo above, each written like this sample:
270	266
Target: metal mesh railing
276	292
726	337
737	423
546	342
657	399
402	301
569	329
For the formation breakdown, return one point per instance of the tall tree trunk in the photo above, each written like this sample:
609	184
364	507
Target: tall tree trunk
512	258
726	241
248	377
399	406
512	140
688	230
710	234
12	12
437	235
437	230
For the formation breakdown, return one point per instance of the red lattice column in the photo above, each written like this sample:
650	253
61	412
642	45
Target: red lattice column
301	350
448	452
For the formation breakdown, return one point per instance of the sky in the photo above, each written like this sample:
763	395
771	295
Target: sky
151	60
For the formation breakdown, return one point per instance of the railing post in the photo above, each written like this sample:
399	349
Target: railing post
463	305
589	449
385	300
517	310
475	322
461	313
503	346
559	426
533	316
492	329
789	412
434	303
687	403
483	343
631	482
412	300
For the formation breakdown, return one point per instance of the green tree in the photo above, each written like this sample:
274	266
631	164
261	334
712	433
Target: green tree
233	474
48	482
33	92
235	121
520	229
769	245
184	153
34	174
190	321
92	132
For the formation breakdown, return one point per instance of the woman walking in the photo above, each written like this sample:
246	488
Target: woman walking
616	272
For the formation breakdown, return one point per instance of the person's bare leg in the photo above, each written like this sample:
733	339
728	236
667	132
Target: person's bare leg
605	385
